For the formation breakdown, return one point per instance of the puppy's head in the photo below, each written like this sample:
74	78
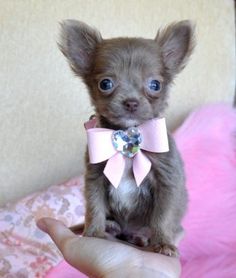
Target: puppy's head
127	78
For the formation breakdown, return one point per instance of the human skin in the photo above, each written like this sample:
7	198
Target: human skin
97	257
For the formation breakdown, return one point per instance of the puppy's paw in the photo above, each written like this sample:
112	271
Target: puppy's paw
113	228
136	239
94	232
165	249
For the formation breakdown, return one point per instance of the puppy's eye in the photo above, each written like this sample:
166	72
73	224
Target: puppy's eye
154	85
153	88
106	85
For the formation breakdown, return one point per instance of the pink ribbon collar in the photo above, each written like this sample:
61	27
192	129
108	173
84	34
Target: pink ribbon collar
106	144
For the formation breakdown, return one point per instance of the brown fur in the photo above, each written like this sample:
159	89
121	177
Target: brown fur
158	205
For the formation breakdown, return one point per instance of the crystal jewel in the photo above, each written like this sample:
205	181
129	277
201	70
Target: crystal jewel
127	142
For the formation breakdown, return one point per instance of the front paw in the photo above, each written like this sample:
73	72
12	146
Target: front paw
94	232
113	228
135	239
165	249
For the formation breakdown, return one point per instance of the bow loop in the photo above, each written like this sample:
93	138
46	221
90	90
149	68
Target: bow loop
99	144
154	136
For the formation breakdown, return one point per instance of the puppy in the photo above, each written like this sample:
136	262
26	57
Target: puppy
128	80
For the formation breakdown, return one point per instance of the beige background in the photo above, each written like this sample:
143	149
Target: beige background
43	106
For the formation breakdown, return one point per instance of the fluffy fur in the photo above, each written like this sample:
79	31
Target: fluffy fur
128	65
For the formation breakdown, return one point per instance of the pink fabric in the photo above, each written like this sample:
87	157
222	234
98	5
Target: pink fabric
25	251
64	270
207	141
100	147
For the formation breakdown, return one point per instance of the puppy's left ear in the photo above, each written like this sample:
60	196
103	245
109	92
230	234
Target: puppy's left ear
176	43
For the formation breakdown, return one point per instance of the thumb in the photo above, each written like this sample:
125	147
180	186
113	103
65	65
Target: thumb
77	251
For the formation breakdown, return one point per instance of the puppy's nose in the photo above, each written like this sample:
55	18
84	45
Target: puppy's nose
131	105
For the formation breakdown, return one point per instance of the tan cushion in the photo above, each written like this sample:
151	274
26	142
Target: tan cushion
42	105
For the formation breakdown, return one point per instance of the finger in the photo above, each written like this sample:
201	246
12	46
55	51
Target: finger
71	246
57	231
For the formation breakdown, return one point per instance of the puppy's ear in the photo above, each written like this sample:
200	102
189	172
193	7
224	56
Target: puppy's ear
78	42
176	42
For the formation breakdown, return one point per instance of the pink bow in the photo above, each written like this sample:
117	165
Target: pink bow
100	147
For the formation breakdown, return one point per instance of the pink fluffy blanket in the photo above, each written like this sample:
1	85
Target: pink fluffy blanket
207	142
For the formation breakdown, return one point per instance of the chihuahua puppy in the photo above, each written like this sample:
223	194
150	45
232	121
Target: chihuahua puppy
128	81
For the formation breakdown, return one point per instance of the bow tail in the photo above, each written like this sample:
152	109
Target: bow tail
114	169
141	167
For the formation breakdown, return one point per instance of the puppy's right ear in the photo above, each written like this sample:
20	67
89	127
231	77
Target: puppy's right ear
78	42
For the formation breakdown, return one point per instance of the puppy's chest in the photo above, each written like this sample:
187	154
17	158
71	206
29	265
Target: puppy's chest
127	197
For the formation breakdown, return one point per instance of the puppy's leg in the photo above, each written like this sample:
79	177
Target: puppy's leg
112	228
96	203
170	200
165	227
161	243
95	216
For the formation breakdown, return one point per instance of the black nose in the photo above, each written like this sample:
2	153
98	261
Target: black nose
131	105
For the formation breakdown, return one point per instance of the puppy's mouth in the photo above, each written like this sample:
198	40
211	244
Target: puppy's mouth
130	121
121	121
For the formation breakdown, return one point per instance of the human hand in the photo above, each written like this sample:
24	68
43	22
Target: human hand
104	258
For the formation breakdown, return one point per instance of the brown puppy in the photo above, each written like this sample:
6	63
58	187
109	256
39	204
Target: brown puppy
128	81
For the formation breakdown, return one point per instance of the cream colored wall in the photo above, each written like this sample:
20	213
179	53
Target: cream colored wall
43	106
